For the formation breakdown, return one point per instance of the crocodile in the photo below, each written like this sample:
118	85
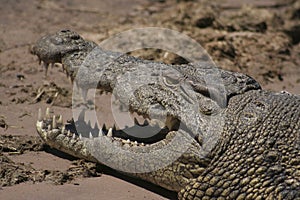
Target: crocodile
225	139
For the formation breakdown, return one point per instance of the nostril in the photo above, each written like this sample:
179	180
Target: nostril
65	31
75	37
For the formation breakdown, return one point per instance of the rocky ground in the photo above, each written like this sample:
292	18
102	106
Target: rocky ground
259	38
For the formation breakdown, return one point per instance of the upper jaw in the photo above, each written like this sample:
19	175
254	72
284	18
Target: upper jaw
53	48
63	44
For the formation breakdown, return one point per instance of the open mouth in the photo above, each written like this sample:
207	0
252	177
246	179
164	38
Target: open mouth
150	132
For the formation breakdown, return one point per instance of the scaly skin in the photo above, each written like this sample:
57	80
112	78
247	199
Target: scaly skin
236	140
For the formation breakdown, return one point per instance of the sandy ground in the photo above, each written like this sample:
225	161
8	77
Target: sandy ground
260	39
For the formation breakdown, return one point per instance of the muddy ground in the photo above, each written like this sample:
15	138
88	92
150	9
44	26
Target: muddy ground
260	38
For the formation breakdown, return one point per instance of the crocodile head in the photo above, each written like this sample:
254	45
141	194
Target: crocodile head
183	121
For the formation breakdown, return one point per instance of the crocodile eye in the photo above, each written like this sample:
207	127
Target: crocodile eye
171	82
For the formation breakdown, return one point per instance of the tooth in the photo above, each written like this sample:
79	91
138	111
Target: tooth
80	136
90	135
110	133
47	115
125	141
100	133
62	129
136	121
146	123
135	142
142	144
74	135
40	115
49	127
96	126
69	134
42	125
81	115
54	122
46	65
60	119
